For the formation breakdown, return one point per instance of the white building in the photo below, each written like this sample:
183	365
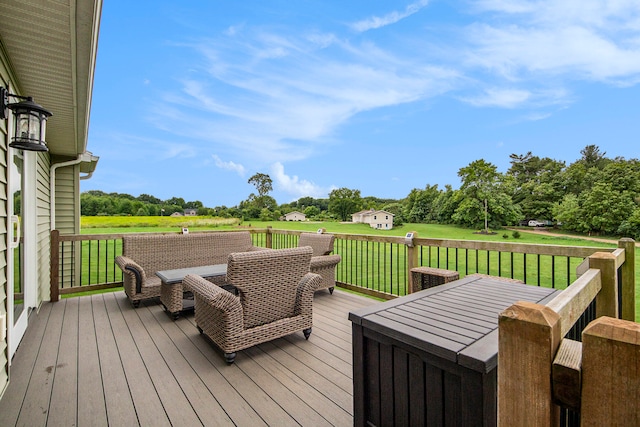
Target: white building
295	216
375	218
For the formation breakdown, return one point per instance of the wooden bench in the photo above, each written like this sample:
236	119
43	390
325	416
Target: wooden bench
143	255
428	277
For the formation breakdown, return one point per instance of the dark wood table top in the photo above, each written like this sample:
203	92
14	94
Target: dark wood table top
171	277
457	321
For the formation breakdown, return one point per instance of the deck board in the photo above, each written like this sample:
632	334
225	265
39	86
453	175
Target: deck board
35	406
148	407
91	402
96	360
64	396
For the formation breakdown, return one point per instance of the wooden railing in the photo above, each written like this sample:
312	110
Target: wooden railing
375	265
540	371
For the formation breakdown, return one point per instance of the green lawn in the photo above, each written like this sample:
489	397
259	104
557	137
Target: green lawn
108	225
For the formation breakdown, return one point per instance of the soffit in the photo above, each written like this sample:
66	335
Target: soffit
51	47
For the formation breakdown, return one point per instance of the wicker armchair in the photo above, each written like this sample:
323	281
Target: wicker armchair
322	262
275	298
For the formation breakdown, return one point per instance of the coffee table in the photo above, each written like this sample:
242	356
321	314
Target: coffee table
172	292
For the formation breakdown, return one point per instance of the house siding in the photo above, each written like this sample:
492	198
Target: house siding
381	220
67	200
43	230
4	226
67	206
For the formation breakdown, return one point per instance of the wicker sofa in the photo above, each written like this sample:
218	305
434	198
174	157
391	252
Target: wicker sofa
143	255
275	298
322	262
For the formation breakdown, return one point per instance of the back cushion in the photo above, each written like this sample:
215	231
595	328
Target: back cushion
171	251
322	244
268	282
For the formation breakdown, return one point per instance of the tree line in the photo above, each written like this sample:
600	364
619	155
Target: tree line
595	194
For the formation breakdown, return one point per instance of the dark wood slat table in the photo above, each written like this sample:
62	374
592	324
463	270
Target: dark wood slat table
430	358
172	290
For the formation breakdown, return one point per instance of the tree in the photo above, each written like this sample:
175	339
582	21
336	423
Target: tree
592	157
479	182
343	202
536	184
177	201
193	205
311	211
419	205
262	182
604	208
569	213
147	198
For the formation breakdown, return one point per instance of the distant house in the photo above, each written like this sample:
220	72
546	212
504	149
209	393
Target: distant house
295	216
176	214
190	212
375	218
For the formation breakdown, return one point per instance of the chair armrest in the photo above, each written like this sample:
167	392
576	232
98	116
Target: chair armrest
129	266
214	295
325	261
307	286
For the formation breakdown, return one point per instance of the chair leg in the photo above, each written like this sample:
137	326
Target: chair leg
229	357
199	329
331	290
306	333
135	304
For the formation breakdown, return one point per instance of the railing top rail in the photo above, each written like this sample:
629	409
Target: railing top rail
78	237
528	248
574	300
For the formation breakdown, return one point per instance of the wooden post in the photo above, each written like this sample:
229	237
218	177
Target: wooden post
528	338
54	266
268	241
628	271
607	298
412	259
610	373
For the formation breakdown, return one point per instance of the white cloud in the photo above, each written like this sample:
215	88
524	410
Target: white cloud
574	39
575	52
265	107
534	117
236	167
295	186
375	22
505	98
266	95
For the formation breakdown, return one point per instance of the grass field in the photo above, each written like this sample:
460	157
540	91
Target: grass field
135	224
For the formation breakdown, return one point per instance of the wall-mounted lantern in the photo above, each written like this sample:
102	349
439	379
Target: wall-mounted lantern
29	121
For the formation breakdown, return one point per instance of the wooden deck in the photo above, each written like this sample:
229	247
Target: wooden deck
97	361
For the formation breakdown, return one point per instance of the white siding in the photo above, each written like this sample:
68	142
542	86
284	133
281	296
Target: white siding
43	232
4	350
67	200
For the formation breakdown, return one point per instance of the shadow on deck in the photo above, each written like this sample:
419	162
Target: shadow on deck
95	360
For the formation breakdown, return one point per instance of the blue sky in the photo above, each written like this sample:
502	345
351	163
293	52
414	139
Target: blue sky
191	98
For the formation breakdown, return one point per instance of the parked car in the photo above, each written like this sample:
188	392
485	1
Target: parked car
534	223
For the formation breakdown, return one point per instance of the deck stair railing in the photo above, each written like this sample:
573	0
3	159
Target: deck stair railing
542	372
375	265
